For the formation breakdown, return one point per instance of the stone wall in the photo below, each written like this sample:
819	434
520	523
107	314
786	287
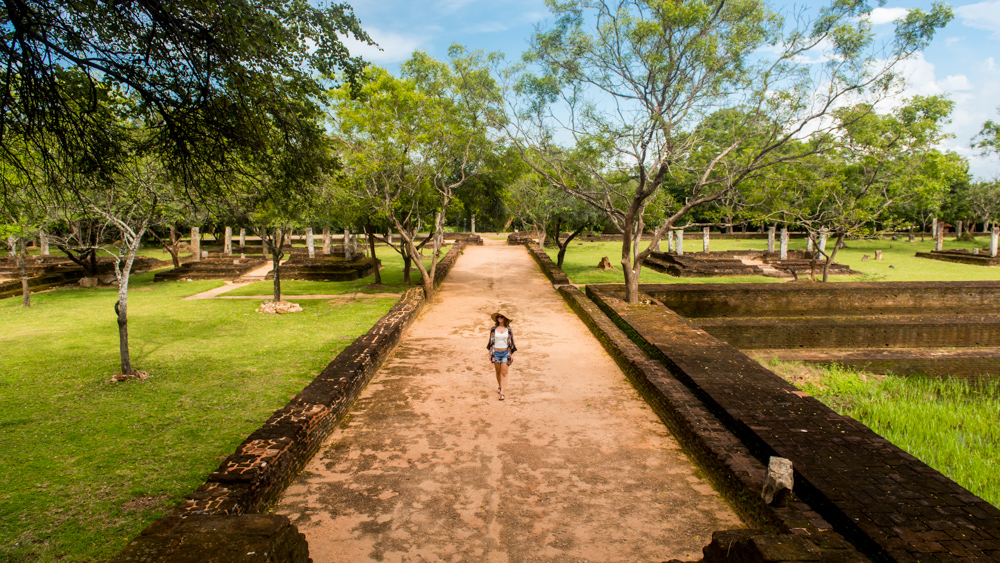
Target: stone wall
251	479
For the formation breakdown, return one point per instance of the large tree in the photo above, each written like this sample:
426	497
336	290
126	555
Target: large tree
883	162
407	144
631	80
209	74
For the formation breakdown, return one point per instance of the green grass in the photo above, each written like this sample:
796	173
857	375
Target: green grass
392	280
949	424
85	464
581	261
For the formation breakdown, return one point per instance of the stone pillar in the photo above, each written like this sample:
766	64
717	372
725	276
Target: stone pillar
994	238
348	255
705	239
288	238
958	230
822	240
878	254
43	241
670	241
784	244
679	243
227	246
326	240
770	238
243	239
911	237
195	245
934	227
473	224
939	239
310	245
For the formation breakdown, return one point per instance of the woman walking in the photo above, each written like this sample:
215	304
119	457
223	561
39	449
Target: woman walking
501	348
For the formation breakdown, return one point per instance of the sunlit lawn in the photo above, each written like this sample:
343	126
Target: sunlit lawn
85	464
949	424
898	263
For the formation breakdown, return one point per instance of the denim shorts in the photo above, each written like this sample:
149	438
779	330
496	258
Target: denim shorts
500	356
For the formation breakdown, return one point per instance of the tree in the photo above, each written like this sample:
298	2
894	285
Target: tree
883	161
206	72
988	138
407	144
631	81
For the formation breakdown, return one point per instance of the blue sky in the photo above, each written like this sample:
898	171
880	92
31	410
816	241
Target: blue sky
962	62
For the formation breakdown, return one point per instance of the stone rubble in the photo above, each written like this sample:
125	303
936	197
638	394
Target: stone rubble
278	307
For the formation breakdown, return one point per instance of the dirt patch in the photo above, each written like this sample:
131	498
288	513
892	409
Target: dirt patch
137	504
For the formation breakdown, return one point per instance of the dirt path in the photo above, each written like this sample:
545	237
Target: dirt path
573	466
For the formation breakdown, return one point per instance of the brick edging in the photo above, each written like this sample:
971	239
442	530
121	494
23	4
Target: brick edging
890	505
727	462
250	480
549	268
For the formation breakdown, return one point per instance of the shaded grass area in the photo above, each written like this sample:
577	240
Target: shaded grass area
949	424
898	263
86	464
392	280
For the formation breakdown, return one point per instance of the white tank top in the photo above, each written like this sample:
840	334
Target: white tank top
500	340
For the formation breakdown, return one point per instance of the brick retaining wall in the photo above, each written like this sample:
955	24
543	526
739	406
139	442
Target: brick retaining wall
549	268
886	502
890	331
251	479
851	298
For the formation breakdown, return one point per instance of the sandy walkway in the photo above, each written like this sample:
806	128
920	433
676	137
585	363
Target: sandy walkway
573	466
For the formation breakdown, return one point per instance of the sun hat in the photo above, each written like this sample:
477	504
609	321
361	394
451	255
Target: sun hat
503	314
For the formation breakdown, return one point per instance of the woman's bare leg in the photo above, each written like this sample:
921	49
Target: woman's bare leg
502	376
499	381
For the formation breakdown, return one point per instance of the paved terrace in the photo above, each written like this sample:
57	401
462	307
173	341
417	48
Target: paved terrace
572	466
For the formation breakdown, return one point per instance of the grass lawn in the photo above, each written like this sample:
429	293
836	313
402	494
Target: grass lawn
392	280
86	464
949	424
581	261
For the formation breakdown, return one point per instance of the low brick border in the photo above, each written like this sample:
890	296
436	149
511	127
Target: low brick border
889	504
549	268
249	481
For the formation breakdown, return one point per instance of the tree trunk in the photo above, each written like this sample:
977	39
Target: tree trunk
276	264
22	268
406	268
121	306
506	227
565	245
829	257
171	248
370	235
631	268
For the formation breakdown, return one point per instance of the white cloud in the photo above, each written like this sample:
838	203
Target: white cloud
395	46
983	15
881	16
974	99
955	83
